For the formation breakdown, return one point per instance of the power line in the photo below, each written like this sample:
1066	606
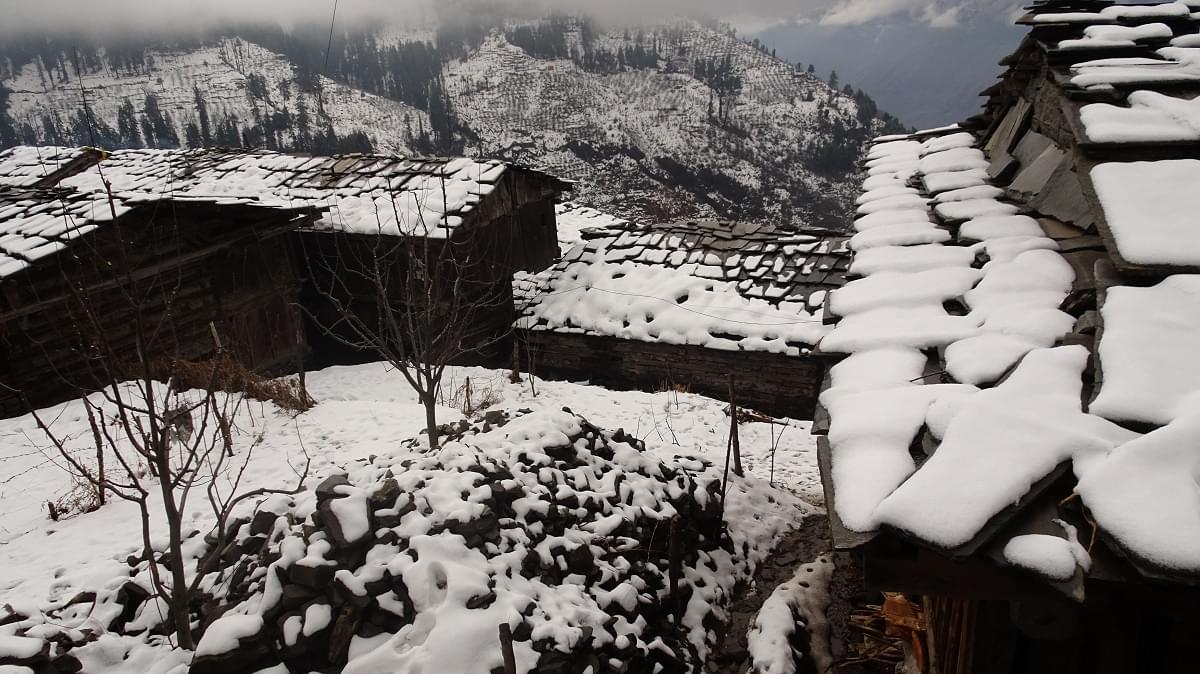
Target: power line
329	46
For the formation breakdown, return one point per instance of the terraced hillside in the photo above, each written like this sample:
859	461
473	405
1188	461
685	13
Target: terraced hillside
675	121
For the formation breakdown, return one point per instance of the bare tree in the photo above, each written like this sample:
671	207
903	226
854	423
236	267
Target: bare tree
157	445
417	293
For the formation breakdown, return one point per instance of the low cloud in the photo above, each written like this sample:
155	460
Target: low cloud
185	15
853	12
139	16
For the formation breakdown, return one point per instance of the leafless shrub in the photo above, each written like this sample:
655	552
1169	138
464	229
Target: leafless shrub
415	292
471	398
158	443
82	497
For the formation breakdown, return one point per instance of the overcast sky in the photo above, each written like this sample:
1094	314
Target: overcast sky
748	15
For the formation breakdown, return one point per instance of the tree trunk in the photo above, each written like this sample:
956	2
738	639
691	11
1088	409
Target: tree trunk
431	418
179	598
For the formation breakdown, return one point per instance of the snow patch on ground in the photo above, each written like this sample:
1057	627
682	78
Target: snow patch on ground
798	604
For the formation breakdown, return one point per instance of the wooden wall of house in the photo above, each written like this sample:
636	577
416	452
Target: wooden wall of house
1120	636
194	269
515	225
339	269
772	383
512	229
983	618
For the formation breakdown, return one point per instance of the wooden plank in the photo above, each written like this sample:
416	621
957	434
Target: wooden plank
929	573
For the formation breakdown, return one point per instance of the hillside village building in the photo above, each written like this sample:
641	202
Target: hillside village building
228	246
1011	432
686	305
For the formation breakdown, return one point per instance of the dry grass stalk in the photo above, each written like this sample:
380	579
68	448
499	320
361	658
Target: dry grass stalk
225	373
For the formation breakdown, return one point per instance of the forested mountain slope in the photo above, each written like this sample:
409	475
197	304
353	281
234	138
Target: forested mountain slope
672	121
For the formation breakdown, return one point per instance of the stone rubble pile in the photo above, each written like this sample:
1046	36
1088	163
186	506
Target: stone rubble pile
542	522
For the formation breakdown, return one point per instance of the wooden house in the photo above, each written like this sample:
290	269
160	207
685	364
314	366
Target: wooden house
246	238
1010	435
685	306
196	275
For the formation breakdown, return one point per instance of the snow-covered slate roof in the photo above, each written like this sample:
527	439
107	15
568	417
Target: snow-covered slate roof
1149	117
1048	13
363	193
1008	307
1151	207
35	224
719	285
961	344
1118	47
573	218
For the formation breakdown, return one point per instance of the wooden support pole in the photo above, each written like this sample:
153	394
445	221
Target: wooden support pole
506	649
724	484
675	567
733	429
515	377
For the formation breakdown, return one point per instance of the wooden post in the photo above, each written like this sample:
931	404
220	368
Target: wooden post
506	649
300	366
724	481
675	567
212	328
733	429
515	377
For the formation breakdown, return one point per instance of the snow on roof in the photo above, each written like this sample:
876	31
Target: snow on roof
1179	66
573	218
1001	442
1102	37
989	299
1150	351
35	224
1150	117
27	166
962	401
1125	13
1144	494
363	193
718	285
1150	207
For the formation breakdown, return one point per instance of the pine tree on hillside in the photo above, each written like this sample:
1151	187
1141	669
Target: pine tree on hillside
205	128
161	127
191	136
127	126
8	131
148	132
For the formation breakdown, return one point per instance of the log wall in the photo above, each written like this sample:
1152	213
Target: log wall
193	270
773	383
513	229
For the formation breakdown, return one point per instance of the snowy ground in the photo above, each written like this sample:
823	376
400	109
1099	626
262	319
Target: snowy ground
363	410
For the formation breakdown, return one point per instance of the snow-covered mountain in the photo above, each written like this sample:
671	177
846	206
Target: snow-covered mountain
675	121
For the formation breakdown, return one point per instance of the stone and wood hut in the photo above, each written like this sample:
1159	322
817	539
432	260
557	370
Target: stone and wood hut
1010	435
230	245
685	306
